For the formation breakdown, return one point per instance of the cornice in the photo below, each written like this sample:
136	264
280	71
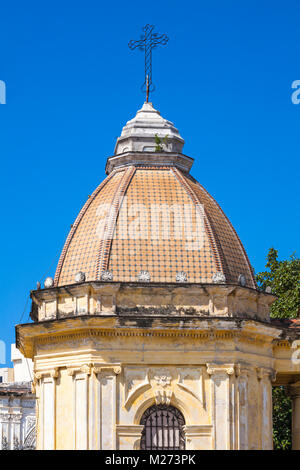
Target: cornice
149	159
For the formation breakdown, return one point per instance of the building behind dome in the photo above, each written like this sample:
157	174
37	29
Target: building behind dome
17	405
153	334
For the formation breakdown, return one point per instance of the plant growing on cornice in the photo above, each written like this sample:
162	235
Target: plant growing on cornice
160	142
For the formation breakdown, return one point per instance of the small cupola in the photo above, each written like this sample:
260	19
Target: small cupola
148	131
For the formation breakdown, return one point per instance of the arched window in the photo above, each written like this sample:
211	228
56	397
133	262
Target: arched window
163	428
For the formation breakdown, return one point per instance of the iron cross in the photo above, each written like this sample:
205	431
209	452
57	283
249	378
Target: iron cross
148	41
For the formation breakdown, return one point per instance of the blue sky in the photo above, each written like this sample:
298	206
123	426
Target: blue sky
224	79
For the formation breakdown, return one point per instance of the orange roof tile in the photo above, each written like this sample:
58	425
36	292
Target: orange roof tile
156	219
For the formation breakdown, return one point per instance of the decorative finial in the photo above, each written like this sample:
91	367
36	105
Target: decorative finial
242	280
144	276
80	277
148	41
106	276
218	278
48	282
181	276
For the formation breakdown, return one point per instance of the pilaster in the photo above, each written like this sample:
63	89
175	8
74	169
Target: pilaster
107	399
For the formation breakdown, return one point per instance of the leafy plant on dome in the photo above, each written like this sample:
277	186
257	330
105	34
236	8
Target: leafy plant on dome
160	142
283	277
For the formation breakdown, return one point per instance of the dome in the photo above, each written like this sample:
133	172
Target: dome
150	220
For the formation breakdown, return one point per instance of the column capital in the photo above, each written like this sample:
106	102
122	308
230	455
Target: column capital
265	373
83	369
16	417
53	373
112	368
214	369
244	370
5	417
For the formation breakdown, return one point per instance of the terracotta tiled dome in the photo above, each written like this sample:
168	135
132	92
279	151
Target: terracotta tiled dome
150	215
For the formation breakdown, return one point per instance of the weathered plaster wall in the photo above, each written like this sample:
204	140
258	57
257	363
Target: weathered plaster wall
92	392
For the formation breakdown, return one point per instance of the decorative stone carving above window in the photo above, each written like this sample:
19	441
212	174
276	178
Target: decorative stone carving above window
162	378
161	385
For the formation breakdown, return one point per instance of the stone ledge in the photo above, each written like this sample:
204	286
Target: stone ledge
150	299
163	159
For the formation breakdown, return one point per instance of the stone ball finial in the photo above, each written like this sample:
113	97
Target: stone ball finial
48	282
181	276
218	278
106	276
242	280
80	277
144	276
268	290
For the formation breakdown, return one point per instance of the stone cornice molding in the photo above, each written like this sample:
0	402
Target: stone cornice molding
134	333
29	336
195	327
152	159
195	430
241	370
133	430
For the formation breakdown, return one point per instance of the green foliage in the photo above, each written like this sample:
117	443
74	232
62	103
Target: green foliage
282	419
284	279
159	142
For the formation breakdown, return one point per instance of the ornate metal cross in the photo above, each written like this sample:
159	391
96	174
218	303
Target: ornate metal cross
148	41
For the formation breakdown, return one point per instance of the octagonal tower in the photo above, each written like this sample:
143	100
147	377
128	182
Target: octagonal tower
153	315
